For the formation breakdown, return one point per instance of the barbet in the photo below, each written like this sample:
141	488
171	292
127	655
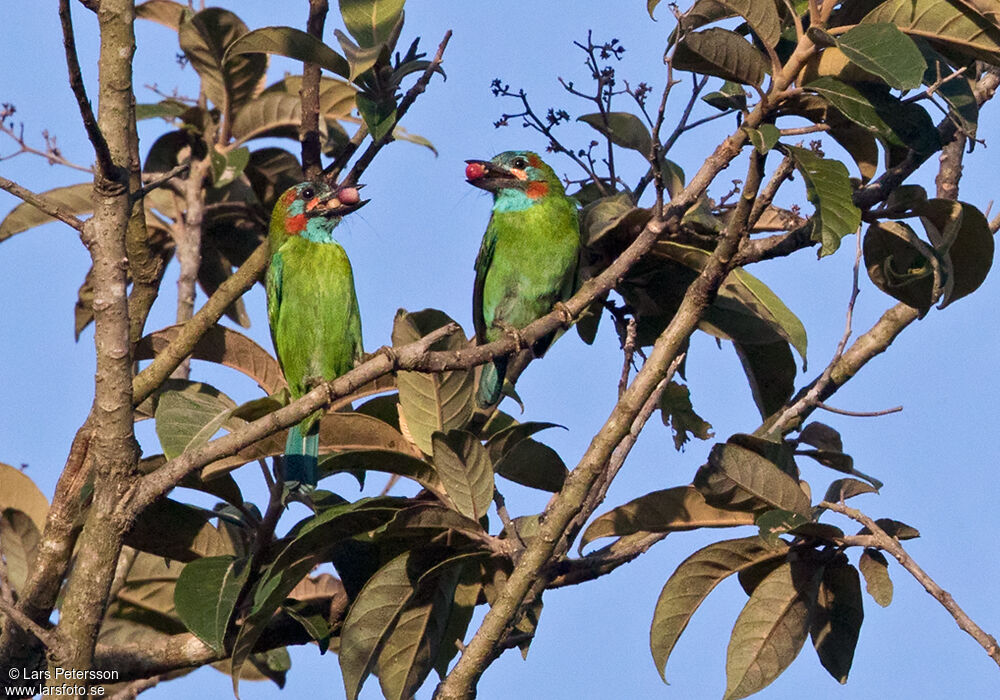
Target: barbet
311	306
528	257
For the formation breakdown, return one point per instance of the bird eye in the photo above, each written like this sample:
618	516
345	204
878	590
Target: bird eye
308	193
520	163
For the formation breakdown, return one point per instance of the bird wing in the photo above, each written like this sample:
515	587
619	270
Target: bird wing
273	286
483	262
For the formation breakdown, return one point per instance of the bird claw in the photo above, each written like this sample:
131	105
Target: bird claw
511	330
567	316
389	353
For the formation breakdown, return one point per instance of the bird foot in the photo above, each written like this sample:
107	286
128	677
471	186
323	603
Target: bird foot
390	354
511	330
565	313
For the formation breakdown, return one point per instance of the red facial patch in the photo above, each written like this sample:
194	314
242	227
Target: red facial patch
534	161
474	171
288	197
295	224
536	190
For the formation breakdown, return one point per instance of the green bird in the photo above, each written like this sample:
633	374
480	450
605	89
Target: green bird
528	257
311	305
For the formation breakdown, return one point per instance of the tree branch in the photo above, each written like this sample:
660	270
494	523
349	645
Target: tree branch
891	545
312	165
41	203
105	163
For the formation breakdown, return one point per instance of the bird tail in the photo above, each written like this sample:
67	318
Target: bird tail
491	382
302	457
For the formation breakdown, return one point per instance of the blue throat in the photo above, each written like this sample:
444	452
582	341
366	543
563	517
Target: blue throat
512	199
320	230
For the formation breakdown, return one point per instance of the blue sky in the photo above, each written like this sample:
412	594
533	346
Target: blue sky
414	247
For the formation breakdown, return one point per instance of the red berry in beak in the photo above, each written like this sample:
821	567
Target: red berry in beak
348	195
474	171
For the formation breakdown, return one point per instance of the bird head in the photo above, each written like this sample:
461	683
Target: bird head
517	173
313	209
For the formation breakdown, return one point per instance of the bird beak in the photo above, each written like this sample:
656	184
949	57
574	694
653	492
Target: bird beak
344	200
489	176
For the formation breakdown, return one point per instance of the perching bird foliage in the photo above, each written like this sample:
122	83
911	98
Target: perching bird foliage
528	257
311	305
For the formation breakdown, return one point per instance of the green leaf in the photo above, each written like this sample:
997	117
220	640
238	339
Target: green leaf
206	594
946	24
19	536
315	540
764	137
432	402
204	39
677	411
272	115
606	214
894	528
19	492
880	48
721	53
821	436
898	263
166	12
72	199
650	6
968	250
372	617
856	140
532	464
770	370
463	606
777	522
502	441
895	122
771	629
371	22
837	618
875	568
466	473
670	510
222	346
829	189
228	166
408	654
289	42
178	531
622	129
168	110
761	15
740	478
379	114
693	580
745	310
842	489
188	414
957	92
388	461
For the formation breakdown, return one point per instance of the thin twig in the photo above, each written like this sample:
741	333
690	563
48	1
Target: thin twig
160	181
859	414
404	105
41	203
105	164
892	546
49	638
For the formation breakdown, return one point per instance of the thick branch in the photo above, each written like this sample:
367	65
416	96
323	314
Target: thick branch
891	545
115	451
